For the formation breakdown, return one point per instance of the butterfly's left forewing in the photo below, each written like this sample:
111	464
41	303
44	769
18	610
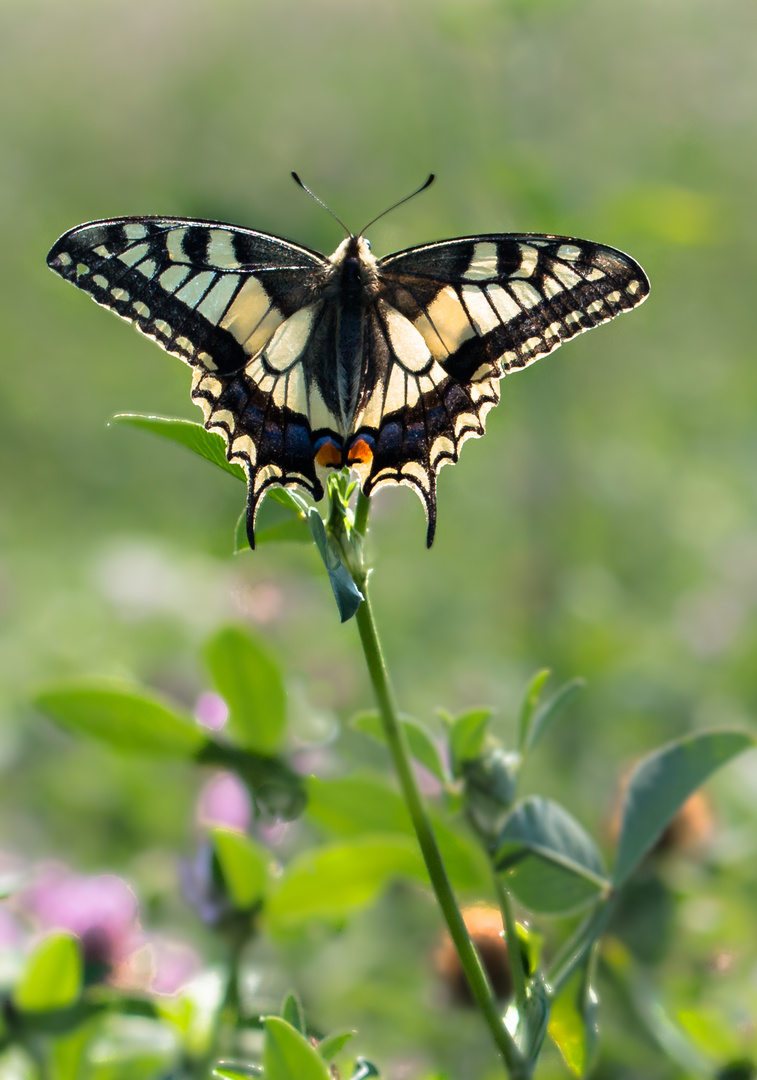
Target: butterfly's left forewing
238	306
482	306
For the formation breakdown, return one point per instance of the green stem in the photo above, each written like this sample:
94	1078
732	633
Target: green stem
395	737
228	1014
514	955
576	948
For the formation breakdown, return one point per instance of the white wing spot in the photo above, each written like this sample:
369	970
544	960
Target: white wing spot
174	245
65	259
147	267
163	327
221	250
119	294
185	344
526	293
568	277
173	277
447	326
135	230
595	306
573	317
613	297
479	308
217	300
483	264
568	252
289	340
595	274
504	303
141	309
633	287
134	254
551	287
102	251
407	342
100	281
81	269
195	288
243	447
529	259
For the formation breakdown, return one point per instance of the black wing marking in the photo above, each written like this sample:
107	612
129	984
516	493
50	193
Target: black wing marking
488	305
216	296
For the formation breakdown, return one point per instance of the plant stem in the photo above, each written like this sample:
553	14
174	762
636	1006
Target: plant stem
514	955
576	948
395	737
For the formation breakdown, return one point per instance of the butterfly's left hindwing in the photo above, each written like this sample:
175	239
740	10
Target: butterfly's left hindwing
386	367
215	296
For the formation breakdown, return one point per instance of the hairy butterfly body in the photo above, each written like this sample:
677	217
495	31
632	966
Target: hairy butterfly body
306	363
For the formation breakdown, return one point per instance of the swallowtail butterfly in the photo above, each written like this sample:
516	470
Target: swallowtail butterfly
305	363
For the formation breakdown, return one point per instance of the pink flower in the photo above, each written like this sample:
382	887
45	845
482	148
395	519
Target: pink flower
224	802
101	911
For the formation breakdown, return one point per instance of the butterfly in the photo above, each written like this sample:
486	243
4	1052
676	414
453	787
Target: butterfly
306	363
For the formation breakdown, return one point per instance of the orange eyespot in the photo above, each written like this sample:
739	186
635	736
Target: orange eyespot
360	453
328	454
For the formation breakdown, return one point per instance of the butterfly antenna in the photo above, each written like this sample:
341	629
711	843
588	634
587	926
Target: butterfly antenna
394	206
321	202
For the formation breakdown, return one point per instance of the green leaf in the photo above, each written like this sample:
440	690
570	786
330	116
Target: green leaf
661	783
291	1011
250	682
207	444
573	1025
244	867
330	882
236	1072
467	737
127	719
52	976
551	863
346	593
353	806
530	701
288	1055
491	782
329	1047
544	717
422	746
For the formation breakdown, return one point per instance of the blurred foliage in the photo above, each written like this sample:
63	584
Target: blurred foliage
604	527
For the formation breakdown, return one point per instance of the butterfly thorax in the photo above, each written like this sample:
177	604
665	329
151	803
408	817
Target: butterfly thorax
352	285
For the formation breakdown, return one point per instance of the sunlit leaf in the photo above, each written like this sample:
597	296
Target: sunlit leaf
419	740
250	682
353	806
550	862
236	1072
528	706
125	718
52	975
573	1025
329	1047
346	593
288	1055
660	785
545	715
330	882
467	737
207	444
291	1011
244	867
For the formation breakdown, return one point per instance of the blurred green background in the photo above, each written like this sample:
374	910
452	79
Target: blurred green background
607	524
